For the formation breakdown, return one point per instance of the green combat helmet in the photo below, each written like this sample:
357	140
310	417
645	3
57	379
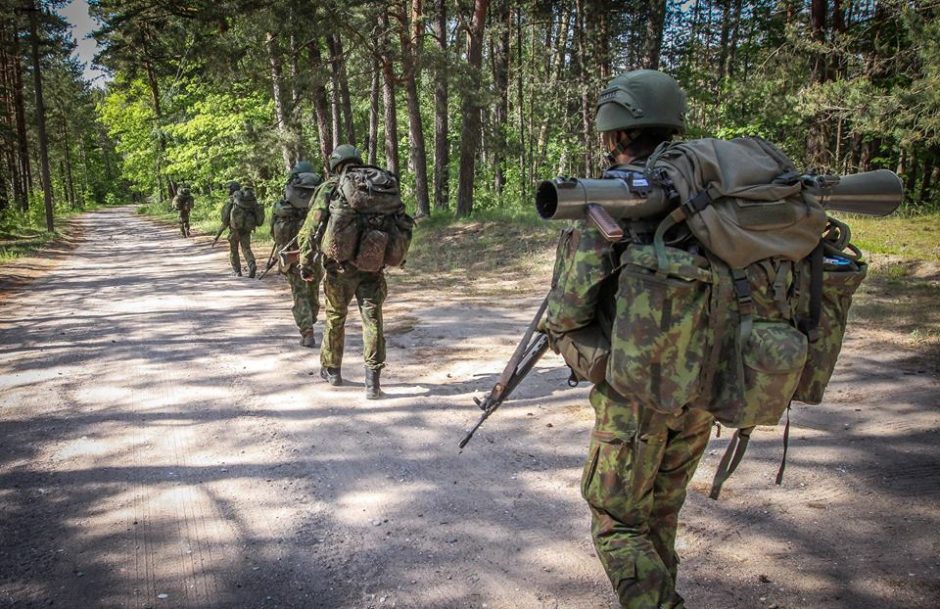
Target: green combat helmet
300	189
641	99
299	168
233	187
343	154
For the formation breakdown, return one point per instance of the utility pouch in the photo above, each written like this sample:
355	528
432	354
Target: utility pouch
659	338
371	254
399	241
585	350
583	261
767	368
341	237
842	274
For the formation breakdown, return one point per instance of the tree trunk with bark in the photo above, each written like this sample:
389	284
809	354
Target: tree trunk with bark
441	144
277	88
41	117
388	98
471	108
411	40
320	105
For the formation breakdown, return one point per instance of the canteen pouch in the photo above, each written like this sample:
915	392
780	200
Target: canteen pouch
659	338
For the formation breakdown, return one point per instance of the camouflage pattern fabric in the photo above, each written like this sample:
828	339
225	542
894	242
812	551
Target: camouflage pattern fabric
241	239
340	285
306	297
184	222
639	464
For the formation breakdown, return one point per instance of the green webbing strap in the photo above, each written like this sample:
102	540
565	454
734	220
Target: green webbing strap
730	460
810	325
780	288
659	244
786	444
742	293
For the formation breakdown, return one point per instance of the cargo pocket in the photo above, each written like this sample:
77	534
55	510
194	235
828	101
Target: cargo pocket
585	350
660	329
840	281
772	360
399	240
603	486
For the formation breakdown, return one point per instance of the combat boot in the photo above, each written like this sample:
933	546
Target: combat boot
373	390
331	376
236	272
308	339
251	271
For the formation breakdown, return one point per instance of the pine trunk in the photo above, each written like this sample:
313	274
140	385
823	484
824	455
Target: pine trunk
410	45
441	145
388	99
320	105
41	117
471	110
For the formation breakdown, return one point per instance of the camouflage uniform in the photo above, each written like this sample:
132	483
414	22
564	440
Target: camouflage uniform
341	283
183	205
236	239
639	460
304	294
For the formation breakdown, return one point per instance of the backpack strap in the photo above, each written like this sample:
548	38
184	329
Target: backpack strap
731	459
810	325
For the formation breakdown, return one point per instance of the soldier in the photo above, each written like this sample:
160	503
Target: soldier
183	203
287	217
341	282
241	214
640	460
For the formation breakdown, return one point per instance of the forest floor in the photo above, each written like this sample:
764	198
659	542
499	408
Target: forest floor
165	442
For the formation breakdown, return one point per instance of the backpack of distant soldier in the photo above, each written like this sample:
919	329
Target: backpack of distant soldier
735	302
183	201
246	214
368	226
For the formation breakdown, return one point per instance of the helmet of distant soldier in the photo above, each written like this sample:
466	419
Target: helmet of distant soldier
233	186
344	153
308	180
299	168
184	190
641	99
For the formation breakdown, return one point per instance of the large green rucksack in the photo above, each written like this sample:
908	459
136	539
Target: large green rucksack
183	201
368	226
286	221
734	303
246	214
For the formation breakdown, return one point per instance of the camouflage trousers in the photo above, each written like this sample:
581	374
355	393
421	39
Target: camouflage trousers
184	222
238	239
339	288
306	297
639	465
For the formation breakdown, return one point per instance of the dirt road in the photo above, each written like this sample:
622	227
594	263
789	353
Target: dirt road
164	442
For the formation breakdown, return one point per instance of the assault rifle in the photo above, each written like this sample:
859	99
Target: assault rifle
528	352
218	234
604	201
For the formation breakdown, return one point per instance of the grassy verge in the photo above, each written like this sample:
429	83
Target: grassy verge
22	234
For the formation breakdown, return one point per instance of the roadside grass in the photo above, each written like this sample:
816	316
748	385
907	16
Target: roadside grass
23	233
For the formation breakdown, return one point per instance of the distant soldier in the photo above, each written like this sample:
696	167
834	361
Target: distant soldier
287	217
183	203
358	226
242	214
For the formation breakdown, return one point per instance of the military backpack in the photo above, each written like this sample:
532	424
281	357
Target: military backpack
735	302
368	226
246	214
183	201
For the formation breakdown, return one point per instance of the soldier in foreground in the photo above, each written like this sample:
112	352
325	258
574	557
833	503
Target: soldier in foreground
640	459
357	227
183	203
287	217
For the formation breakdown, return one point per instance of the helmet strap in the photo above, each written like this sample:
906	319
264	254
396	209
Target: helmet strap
611	156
